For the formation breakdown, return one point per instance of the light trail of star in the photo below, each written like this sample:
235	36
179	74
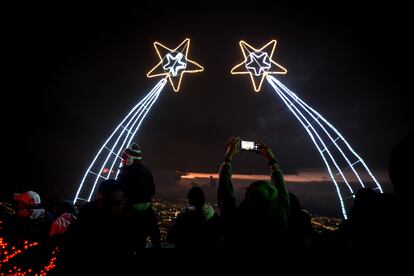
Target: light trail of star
113	145
321	121
106	162
310	120
308	117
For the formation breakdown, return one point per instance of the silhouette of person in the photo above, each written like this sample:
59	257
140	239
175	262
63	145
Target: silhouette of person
30	221
66	213
139	186
197	226
300	229
101	233
360	230
261	219
379	221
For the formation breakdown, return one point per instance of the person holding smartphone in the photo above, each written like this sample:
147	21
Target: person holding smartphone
260	221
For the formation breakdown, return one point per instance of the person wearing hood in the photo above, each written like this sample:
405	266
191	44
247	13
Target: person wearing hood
261	220
197	226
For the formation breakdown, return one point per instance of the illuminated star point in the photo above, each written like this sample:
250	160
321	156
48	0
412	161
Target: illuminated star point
174	63
258	63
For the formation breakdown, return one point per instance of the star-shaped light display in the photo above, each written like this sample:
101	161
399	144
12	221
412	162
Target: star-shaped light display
258	63
174	63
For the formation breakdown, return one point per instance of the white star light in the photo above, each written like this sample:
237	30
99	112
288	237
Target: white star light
174	64
259	63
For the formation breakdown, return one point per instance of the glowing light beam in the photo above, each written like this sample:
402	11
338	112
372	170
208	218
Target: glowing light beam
141	114
140	110
321	152
258	64
317	116
295	105
309	125
139	124
151	100
333	141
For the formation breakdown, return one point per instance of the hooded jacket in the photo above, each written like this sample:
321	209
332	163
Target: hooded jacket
195	228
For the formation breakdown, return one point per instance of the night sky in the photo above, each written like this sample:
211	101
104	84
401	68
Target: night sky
75	71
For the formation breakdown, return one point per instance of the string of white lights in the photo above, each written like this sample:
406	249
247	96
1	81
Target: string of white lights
308	128
149	102
316	116
138	126
104	146
172	70
258	64
132	128
110	140
333	141
177	63
151	95
325	148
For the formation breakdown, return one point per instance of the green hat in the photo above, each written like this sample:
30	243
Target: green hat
261	196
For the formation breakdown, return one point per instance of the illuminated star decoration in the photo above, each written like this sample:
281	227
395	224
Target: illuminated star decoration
258	63
174	63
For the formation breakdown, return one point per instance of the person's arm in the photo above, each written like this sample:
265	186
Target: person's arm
225	196
277	179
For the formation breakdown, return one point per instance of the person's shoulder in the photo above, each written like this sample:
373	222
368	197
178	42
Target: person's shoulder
139	166
88	210
145	168
146	171
186	212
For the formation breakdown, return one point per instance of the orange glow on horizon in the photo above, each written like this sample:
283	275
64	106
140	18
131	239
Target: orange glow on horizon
193	175
316	177
300	177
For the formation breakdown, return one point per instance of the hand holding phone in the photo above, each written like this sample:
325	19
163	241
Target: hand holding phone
250	146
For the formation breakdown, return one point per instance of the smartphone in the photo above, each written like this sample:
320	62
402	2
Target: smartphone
249	146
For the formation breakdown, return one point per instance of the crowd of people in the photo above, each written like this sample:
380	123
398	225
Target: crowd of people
120	222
